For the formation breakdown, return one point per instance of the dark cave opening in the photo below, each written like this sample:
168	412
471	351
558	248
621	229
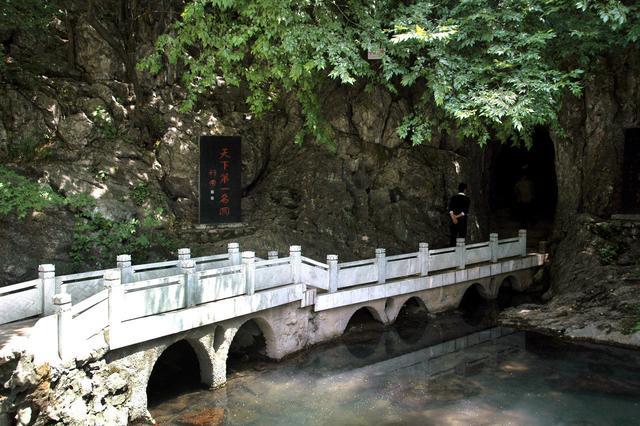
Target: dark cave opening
177	371
523	187
631	172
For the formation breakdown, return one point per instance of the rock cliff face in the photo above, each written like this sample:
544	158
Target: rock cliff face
595	262
596	297
73	119
589	158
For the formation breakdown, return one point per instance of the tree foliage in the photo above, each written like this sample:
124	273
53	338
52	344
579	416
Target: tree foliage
25	14
486	68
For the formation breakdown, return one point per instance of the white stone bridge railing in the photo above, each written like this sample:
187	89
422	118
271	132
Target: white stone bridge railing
136	303
35	297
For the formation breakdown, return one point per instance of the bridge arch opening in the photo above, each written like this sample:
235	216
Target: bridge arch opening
363	332
249	346
411	321
176	371
509	294
516	172
364	319
475	307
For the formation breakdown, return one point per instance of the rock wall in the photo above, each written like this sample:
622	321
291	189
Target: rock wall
595	265
72	119
589	160
596	297
81	392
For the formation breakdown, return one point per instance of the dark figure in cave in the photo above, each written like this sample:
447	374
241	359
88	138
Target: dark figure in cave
458	212
524	194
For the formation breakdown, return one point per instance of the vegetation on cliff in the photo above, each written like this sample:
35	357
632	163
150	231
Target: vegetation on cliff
95	237
484	68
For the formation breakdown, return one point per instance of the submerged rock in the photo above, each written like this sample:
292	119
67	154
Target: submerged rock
206	417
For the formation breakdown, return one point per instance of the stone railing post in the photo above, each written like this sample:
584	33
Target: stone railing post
271	255
295	254
234	253
47	275
249	271
62	301
332	261
493	244
184	253
113	283
423	259
381	264
126	270
461	253
188	268
522	239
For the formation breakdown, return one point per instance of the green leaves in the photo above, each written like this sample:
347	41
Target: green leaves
491	68
441	33
20	195
95	238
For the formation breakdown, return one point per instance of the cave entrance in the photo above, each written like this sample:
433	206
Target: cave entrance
177	371
631	172
531	173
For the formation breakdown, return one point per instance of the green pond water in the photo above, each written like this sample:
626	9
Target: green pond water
440	372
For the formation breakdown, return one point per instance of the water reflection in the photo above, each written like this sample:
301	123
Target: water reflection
362	334
454	373
411	322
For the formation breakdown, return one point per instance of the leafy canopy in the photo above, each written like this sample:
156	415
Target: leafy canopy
487	68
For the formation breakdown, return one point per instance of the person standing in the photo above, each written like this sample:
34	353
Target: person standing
525	194
458	213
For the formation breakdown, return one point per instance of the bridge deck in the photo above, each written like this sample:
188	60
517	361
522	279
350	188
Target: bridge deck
15	336
416	282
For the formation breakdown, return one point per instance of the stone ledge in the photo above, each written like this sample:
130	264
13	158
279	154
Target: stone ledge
627	217
208	226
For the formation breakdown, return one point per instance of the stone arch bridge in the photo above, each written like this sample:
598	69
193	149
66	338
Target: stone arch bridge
135	312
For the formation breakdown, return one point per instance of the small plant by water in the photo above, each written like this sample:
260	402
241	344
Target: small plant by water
636	327
631	323
609	253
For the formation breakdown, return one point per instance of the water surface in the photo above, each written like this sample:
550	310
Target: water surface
446	372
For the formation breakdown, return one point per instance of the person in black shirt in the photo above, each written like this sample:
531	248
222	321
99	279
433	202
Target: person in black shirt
458	212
